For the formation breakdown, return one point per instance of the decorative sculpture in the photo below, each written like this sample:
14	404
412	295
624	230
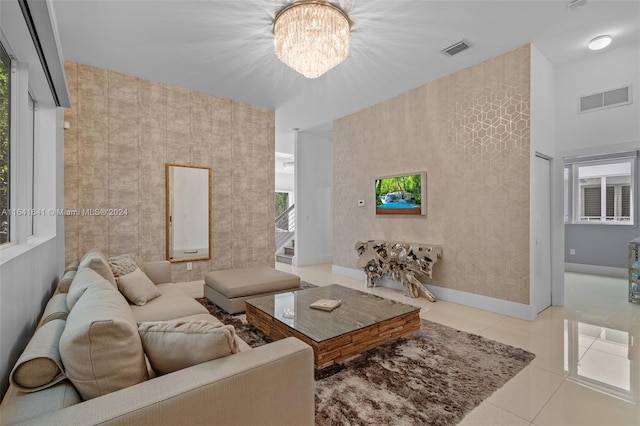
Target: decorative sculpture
400	262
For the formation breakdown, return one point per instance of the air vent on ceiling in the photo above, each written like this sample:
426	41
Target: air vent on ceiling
456	48
602	100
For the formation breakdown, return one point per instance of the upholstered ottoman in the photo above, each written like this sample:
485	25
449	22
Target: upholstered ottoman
231	287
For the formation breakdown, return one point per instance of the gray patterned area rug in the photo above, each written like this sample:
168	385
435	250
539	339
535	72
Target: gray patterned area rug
433	377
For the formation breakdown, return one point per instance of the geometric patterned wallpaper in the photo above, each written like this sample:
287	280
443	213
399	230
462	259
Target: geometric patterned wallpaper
124	130
470	132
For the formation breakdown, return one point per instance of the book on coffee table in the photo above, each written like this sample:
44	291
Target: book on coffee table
326	304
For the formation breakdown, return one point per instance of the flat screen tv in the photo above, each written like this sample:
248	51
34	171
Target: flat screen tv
402	194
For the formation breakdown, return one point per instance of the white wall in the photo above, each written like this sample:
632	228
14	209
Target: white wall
26	283
314	199
285	139
284	182
600	247
30	270
543	141
31	266
606	70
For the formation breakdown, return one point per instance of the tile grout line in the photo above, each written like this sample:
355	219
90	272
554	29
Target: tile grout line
486	401
564	380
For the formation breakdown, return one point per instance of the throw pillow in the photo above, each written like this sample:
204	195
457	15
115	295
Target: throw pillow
177	344
122	265
84	278
95	260
137	287
100	345
40	365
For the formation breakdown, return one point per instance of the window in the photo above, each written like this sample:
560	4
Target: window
603	191
282	202
31	151
32	88
5	120
567	173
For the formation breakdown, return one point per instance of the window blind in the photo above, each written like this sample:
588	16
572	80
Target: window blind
591	201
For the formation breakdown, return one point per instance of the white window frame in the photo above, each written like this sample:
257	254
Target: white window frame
576	198
21	161
11	233
33	169
30	172
567	194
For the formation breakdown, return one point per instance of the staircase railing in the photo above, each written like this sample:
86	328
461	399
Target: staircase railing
285	227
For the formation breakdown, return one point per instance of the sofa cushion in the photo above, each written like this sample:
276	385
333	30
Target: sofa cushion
73	266
100	346
174	345
252	281
158	271
242	345
56	309
40	365
66	280
122	265
173	303
84	278
95	260
137	287
18	406
201	317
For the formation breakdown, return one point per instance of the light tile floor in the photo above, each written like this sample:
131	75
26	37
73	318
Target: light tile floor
587	366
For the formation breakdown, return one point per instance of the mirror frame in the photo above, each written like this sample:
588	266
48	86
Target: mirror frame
168	212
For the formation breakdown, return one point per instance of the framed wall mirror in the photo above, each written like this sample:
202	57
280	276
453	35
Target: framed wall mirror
188	212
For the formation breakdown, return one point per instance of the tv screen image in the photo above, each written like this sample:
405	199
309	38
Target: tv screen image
401	194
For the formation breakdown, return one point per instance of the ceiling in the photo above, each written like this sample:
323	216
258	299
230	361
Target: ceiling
225	48
282	159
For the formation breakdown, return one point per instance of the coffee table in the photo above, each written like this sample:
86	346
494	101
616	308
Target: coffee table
362	322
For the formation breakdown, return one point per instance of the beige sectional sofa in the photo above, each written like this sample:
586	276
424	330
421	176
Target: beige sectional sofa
97	358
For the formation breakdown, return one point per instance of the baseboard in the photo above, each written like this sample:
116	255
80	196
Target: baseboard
359	275
311	260
486	303
608	271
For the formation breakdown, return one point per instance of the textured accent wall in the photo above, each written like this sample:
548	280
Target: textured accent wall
123	131
470	132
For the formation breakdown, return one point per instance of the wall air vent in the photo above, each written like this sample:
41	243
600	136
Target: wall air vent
456	48
602	100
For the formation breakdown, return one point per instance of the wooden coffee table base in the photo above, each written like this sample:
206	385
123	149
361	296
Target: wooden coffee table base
341	348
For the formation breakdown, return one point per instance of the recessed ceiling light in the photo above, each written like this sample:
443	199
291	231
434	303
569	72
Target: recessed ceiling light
600	42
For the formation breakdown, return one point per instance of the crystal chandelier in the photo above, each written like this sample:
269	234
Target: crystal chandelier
312	36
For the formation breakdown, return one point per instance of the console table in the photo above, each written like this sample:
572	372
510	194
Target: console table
400	262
